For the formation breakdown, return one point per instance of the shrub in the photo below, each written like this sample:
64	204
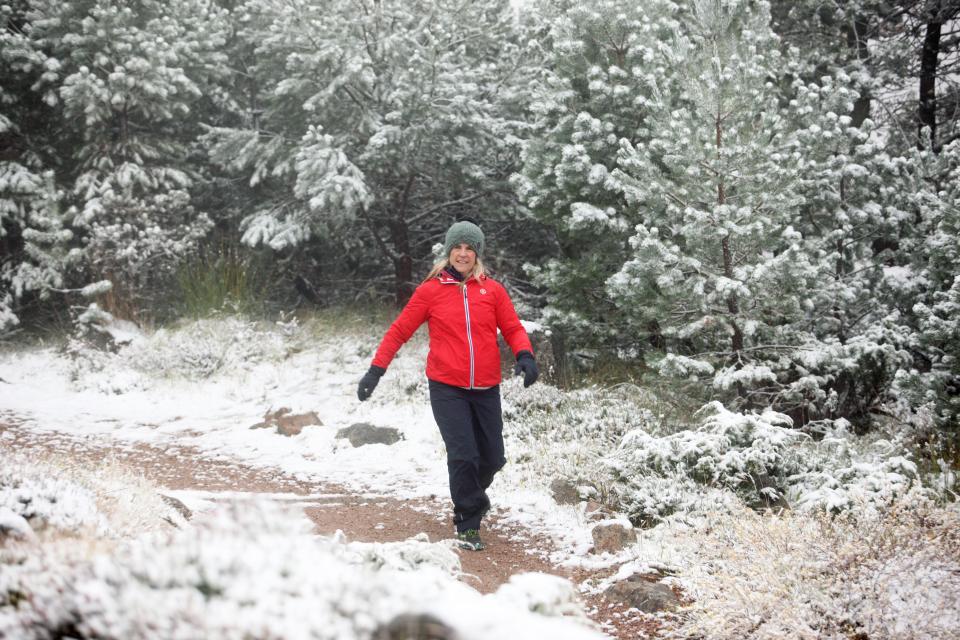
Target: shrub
892	572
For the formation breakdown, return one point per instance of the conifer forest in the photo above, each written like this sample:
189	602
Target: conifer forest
731	228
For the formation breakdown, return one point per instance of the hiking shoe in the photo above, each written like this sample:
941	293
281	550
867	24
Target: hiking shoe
470	540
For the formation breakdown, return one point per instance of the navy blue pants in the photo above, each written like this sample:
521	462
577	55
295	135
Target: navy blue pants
472	428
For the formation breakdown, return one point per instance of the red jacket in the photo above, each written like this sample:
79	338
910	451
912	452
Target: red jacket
463	325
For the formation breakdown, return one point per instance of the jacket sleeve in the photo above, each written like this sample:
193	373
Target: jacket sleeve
413	315
509	324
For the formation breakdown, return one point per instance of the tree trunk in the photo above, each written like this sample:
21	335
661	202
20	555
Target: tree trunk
929	57
733	305
857	35
403	262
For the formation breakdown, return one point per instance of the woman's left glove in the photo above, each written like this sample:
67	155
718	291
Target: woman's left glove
526	366
369	381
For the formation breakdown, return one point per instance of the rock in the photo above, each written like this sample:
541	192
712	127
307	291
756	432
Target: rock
564	491
286	423
595	511
647	596
612	537
415	626
363	433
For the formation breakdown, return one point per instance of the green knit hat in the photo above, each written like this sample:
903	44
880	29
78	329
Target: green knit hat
466	232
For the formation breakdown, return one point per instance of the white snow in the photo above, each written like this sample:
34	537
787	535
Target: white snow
204	384
207	395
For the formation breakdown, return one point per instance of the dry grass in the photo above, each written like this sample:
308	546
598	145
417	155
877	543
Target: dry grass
880	574
125	503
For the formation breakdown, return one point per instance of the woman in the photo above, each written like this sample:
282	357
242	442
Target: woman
464	309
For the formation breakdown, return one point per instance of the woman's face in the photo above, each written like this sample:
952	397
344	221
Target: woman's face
463	258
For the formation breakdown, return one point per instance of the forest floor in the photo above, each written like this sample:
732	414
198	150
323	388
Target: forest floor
183	470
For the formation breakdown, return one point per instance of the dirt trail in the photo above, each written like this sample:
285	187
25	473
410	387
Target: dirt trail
361	518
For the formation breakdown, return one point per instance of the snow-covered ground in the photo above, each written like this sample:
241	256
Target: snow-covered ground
205	386
255	567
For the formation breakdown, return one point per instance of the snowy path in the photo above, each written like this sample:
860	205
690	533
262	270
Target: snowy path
193	437
195	481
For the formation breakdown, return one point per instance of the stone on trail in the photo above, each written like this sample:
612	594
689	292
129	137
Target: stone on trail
612	537
564	491
363	433
177	506
645	595
286	423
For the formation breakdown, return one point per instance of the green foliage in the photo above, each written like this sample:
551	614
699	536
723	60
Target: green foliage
761	459
230	281
383	119
592	93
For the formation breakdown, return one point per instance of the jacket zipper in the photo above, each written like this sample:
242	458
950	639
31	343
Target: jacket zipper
466	310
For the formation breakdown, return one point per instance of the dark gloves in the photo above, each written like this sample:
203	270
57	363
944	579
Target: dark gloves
527	366
369	381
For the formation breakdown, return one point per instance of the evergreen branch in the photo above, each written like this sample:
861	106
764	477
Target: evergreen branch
391	255
443	205
676	199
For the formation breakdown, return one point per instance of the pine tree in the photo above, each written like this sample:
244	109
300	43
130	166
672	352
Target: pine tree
35	245
716	263
930	387
126	80
374	119
601	60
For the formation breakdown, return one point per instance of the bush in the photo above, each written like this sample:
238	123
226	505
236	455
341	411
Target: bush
760	459
732	451
874	573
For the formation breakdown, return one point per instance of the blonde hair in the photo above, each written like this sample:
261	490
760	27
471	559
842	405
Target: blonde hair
477	272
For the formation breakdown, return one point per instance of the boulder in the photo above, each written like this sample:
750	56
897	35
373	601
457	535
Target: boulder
363	433
612	537
643	594
286	423
415	626
564	491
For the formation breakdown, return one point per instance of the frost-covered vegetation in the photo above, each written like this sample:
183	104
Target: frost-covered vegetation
755	205
53	498
890	572
738	195
97	554
784	534
778	532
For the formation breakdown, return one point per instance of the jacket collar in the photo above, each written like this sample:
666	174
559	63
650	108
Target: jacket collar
452	276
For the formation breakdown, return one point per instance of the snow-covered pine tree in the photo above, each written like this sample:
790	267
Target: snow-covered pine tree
601	59
35	245
715	261
877	209
126	79
931	387
374	119
856	199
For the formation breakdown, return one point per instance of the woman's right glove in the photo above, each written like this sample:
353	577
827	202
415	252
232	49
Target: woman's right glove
527	366
369	381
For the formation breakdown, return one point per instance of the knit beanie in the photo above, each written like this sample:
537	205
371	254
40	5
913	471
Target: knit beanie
466	232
